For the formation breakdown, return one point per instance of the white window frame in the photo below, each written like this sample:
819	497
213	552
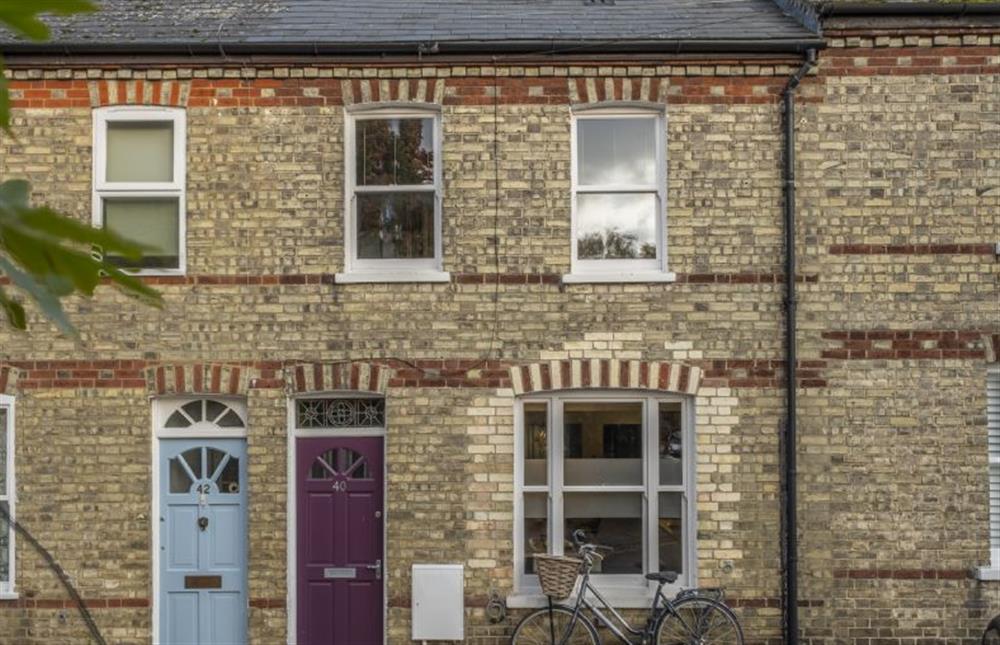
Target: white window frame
992	571
9	495
176	189
389	270
625	590
638	270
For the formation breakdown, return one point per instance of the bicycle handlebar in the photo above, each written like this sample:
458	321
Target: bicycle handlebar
588	548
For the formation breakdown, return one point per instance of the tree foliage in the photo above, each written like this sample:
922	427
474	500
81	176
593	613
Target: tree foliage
45	255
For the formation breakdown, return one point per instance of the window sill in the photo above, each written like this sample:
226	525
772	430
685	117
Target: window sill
362	277
619	277
988	573
9	595
148	273
619	598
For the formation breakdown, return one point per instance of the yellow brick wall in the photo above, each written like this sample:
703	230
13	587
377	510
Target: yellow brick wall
893	451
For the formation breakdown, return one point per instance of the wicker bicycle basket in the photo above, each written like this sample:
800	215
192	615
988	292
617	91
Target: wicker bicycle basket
557	574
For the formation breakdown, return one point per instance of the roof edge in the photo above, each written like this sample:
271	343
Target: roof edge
926	8
427	49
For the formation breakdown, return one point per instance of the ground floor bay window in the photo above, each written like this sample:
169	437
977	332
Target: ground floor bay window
620	467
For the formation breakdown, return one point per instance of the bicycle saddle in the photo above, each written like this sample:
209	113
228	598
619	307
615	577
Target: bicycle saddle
667	577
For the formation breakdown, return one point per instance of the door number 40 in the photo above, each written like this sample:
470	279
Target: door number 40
340	487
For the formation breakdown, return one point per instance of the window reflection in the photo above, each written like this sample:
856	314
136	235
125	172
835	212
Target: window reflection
395	152
611	519
603	444
616	226
536	527
395	225
616	151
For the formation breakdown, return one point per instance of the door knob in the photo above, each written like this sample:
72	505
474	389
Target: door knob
203	523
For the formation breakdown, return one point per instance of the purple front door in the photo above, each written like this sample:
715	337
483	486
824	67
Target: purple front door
339	532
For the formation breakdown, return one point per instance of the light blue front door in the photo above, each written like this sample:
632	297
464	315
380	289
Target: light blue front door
203	501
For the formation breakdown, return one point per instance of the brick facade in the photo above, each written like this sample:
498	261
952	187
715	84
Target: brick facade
898	320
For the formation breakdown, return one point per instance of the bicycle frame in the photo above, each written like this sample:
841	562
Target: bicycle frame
644	634
583	601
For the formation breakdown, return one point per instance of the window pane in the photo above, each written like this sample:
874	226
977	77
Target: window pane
213	410
536	527
396	225
177	420
611	519
193	458
180	482
394	152
671	445
150	222
195	410
671	529
536	436
616	151
140	151
616	226
602	444
229	480
5	531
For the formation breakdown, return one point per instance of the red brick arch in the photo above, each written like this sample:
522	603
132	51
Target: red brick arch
166	93
605	374
200	378
326	377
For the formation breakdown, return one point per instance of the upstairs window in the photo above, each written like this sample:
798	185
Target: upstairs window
139	154
6	496
619	181
394	196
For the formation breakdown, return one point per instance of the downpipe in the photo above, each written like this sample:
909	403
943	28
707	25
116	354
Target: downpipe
789	526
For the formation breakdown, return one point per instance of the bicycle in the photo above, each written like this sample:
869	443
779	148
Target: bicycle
992	634
693	617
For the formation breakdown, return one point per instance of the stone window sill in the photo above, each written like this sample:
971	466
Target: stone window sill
368	277
988	573
9	595
613	277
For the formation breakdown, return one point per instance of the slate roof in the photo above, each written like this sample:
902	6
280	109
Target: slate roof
267	25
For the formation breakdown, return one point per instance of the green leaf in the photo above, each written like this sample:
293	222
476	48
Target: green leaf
23	17
45	299
50	256
44	222
13	310
4	100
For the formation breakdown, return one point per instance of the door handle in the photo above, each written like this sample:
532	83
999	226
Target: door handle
377	568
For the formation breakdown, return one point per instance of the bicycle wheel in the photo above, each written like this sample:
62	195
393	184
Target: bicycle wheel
992	634
699	621
537	629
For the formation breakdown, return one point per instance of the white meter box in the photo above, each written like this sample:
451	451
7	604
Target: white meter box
438	602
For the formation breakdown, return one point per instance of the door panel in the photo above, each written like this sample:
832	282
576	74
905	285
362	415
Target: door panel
181	618
339	540
202	592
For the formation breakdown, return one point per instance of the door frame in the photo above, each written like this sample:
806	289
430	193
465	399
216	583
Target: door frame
159	410
291	531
